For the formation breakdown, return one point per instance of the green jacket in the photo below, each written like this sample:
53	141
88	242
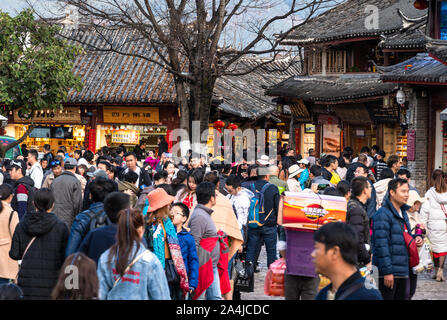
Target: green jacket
282	185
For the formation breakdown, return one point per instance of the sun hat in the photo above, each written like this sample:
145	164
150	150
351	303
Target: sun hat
158	198
414	197
264	161
294	170
304	161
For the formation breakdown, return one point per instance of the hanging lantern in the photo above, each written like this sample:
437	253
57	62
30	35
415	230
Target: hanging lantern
218	125
421	4
232	126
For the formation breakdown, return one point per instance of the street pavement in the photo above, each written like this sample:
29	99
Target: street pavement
427	289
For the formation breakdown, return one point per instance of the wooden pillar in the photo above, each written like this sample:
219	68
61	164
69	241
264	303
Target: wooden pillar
324	61
386	59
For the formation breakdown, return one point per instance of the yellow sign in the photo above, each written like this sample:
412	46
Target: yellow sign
126	136
132	115
67	115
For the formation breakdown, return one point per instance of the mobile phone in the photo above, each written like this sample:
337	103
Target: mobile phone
322	186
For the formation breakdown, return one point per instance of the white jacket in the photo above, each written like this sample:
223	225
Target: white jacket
435	220
381	187
241	203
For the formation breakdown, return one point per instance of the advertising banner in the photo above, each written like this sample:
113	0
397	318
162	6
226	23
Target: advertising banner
126	136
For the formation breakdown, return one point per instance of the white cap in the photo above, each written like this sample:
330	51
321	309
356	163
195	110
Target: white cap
264	161
304	161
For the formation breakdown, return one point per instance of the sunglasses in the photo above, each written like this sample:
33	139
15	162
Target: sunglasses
55	163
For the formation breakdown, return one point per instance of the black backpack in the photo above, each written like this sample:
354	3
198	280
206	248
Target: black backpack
97	220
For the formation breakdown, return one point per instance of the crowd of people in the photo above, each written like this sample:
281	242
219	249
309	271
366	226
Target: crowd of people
138	225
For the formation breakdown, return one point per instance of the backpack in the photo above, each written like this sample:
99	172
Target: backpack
97	220
256	214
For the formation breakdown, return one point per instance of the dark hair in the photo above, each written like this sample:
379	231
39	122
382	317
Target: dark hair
226	168
105	163
331	191
130	176
405	172
341	162
184	208
160	175
34	153
43	199
316	170
341	235
88	281
84	167
78	152
63	148
5	192
88	155
168	163
130	154
205	191
396	183
328	160
358	184
177	182
114	202
233	181
376	148
46	147
197	175
60	151
440	184
386	173
105	150
212	177
343	187
365	168
10	291
348	150
392	160
113	170
129	221
100	188
365	149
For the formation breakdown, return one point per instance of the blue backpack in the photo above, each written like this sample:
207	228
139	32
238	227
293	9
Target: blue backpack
256	214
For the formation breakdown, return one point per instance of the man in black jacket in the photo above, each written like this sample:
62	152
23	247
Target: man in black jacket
268	232
144	179
330	164
357	217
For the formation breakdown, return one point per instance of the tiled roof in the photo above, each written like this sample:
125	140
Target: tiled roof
408	39
437	49
114	78
244	95
332	88
421	68
347	21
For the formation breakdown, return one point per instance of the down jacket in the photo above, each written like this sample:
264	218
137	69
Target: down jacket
40	267
435	220
389	251
189	255
357	217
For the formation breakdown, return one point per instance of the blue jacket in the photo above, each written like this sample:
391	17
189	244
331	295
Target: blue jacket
146	280
80	228
303	178
98	241
189	254
372	202
390	253
362	293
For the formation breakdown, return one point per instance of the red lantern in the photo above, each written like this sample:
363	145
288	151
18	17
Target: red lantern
421	4
218	125
232	126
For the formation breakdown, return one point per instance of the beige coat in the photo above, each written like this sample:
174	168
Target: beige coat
8	267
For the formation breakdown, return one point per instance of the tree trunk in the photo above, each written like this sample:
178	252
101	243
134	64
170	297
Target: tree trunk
4	149
183	103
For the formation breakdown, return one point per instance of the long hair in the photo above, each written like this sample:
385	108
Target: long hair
440	184
128	222
88	283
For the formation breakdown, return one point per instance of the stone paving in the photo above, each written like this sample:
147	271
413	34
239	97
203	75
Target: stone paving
427	289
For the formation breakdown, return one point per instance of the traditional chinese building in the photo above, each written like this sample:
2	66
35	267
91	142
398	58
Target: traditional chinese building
348	103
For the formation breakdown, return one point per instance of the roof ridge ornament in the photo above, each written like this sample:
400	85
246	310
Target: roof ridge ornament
408	22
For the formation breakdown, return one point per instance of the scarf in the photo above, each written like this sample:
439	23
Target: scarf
174	249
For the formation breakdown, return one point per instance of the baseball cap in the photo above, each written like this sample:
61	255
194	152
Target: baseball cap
16	164
304	161
71	162
264	161
98	173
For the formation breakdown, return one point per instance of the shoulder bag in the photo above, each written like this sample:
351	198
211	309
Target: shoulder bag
410	243
23	256
130	265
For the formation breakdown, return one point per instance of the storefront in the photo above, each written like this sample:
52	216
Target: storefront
131	126
56	128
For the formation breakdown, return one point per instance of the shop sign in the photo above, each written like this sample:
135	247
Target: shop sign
411	145
132	115
309	128
126	136
66	115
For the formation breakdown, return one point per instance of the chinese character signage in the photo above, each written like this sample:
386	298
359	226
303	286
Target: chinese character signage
310	211
66	115
126	136
131	115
